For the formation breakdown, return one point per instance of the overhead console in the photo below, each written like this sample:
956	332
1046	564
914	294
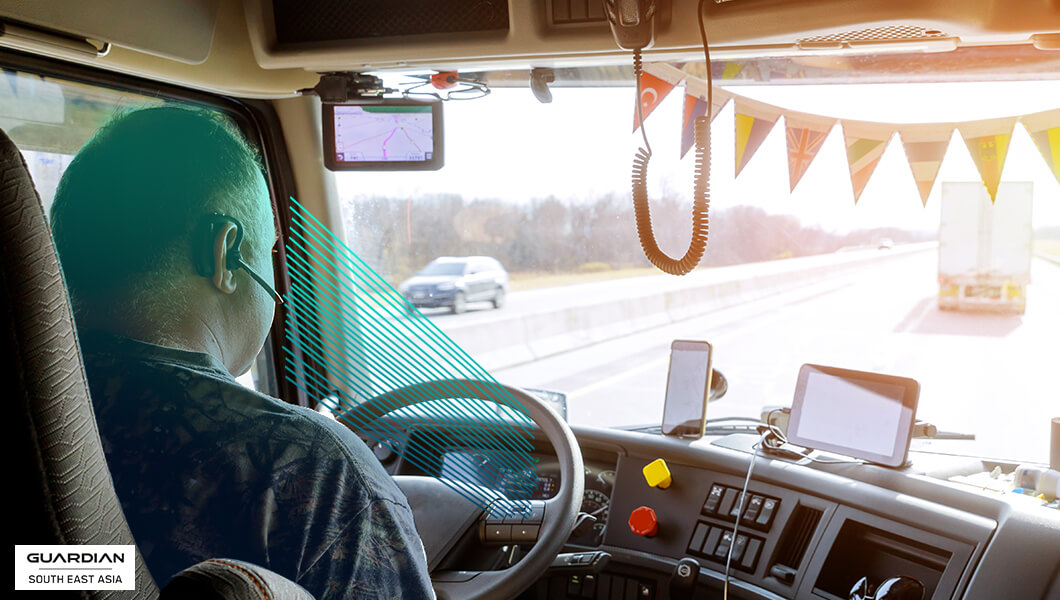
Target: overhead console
330	35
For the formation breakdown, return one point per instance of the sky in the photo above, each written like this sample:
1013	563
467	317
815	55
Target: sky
509	146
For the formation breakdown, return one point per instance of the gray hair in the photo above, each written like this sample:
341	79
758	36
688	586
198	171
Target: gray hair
128	204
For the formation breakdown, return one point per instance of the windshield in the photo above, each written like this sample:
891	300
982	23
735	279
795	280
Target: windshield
790	276
442	268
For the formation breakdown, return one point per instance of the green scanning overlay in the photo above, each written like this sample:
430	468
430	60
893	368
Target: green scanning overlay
358	348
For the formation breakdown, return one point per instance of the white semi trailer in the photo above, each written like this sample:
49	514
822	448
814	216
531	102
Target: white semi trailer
985	249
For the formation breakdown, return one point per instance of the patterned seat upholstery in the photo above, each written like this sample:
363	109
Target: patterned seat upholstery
61	488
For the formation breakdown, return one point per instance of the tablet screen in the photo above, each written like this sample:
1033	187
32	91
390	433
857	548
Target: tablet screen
860	414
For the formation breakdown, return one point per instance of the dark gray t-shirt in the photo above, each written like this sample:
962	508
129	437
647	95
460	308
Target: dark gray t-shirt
206	468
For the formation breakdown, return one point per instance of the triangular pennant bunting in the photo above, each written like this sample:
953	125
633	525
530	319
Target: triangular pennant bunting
804	139
925	144
988	142
754	121
696	106
726	70
866	143
925	147
720	99
652	92
1044	129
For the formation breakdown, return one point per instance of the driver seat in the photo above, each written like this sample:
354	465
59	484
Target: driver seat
65	494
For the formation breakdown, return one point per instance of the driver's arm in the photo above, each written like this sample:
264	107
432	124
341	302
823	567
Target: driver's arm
377	555
360	540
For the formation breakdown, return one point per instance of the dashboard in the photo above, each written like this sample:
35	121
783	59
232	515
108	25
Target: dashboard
807	530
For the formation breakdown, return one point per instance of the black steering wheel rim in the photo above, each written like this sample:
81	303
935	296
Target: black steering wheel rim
560	511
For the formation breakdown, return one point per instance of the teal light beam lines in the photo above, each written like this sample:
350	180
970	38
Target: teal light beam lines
354	342
325	245
330	311
392	336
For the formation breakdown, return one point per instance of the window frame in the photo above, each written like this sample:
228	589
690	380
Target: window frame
257	120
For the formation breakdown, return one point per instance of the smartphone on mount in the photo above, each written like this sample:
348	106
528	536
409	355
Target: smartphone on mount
687	389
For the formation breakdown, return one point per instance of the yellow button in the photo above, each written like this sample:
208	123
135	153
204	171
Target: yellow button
657	474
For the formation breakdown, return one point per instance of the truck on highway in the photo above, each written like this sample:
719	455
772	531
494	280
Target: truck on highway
984	251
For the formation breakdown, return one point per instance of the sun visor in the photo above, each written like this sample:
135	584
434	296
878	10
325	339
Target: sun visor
176	29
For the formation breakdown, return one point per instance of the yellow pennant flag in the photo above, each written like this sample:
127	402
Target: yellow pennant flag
1044	128
988	142
925	146
754	121
865	142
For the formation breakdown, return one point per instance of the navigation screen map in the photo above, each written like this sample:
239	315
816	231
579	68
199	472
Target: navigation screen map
384	133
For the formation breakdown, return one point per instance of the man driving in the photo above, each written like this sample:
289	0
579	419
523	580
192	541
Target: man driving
164	228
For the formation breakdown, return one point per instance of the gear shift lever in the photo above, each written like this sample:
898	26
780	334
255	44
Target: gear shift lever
895	588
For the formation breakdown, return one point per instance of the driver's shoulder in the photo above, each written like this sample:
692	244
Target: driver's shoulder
335	442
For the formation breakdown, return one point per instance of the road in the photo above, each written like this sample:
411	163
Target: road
555	298
997	376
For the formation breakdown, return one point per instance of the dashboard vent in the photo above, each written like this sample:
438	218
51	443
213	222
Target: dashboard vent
794	541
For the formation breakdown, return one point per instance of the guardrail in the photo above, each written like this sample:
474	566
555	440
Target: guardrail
508	341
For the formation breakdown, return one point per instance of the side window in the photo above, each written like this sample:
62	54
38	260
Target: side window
50	119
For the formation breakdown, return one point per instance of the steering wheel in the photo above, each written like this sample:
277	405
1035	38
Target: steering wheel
443	516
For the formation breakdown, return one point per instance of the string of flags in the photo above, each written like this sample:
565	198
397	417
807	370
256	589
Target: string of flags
925	144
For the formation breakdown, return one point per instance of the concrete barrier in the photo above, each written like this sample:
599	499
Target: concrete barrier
508	341
1049	258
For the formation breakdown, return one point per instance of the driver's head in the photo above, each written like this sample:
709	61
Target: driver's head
128	221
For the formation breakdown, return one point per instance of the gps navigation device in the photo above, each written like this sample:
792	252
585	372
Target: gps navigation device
384	135
864	415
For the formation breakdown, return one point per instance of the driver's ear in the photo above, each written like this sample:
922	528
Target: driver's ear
223	279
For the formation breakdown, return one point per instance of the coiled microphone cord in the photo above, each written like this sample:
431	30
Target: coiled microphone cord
701	193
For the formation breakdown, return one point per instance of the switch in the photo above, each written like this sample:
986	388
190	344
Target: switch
525	512
574	585
498	533
588	585
713	499
769	506
754	506
603	587
657	474
722	551
698	536
524	533
750	556
740	499
632	586
712	541
727	501
642	521
739	547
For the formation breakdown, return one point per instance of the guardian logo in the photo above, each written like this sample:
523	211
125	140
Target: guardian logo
74	567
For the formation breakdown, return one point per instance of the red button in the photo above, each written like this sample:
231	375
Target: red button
642	521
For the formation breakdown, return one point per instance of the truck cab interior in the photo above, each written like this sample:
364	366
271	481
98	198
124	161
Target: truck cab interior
538	96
